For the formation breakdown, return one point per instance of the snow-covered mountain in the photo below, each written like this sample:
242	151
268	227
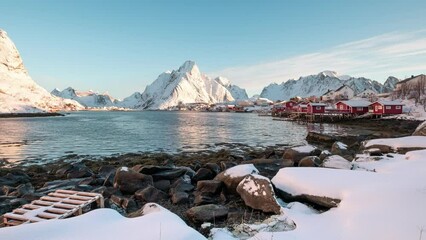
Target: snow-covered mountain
88	99
390	84
237	92
182	86
317	85
18	92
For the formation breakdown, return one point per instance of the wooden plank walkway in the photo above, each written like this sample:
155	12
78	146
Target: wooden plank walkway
57	205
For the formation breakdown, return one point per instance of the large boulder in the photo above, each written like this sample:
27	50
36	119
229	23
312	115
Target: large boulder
310	161
298	153
258	193
206	213
129	181
233	176
209	186
420	130
336	161
150	194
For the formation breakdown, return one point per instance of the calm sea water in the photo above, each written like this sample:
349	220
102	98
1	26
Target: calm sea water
105	133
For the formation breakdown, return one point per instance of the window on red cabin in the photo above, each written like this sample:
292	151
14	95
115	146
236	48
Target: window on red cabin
342	107
398	107
359	108
318	108
388	107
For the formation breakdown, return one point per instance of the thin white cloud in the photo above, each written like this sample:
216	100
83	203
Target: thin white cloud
398	54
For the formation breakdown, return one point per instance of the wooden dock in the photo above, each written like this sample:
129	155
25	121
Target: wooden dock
57	205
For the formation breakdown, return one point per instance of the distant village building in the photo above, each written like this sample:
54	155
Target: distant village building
328	96
344	93
367	93
411	82
356	107
263	102
386	107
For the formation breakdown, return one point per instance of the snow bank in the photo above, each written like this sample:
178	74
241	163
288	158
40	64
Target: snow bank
396	143
104	224
385	204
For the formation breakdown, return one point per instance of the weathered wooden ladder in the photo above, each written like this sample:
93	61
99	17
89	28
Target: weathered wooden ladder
57	205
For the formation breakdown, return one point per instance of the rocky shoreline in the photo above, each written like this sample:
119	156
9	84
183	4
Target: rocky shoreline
198	187
25	115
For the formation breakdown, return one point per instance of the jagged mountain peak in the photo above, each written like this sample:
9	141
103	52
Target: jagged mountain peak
185	85
18	92
10	59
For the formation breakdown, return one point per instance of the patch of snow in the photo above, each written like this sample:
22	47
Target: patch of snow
396	143
304	149
241	170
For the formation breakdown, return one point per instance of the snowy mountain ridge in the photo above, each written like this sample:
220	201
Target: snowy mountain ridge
317	85
18	92
88	99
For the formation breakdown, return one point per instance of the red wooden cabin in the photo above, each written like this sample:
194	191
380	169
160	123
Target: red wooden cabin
356	107
386	107
316	108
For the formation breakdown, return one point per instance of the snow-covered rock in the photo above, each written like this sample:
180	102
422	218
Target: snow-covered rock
18	92
258	193
336	161
88	99
182	86
317	85
231	177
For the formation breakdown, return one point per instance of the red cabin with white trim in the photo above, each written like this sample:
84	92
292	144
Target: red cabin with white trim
386	107
356	107
316	108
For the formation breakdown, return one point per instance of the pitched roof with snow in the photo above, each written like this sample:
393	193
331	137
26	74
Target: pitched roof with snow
317	104
389	103
356	103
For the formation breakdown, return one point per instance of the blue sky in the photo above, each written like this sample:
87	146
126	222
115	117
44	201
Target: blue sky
122	46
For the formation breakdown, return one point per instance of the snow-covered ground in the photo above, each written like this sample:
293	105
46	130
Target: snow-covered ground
104	224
